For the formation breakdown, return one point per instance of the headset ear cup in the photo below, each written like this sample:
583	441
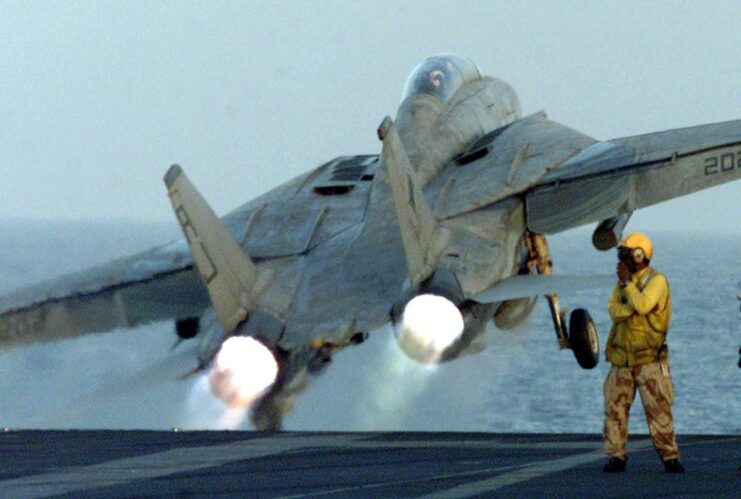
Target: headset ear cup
639	255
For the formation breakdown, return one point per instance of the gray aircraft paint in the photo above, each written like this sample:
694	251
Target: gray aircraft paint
324	290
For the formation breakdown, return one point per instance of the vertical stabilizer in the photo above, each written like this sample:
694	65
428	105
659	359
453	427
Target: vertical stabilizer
225	268
423	239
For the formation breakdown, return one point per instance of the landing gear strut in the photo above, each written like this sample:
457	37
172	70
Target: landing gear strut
581	337
539	258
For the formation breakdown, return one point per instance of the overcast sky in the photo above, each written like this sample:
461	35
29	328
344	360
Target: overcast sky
97	99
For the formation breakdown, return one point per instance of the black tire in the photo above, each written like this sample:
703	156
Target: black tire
583	338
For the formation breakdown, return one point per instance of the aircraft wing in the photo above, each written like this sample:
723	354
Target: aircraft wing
334	290
622	175
279	230
154	285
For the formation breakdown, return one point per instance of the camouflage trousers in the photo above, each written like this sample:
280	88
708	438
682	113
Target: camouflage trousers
654	383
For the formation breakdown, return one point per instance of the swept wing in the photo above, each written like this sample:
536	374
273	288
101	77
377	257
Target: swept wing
327	236
162	283
332	291
622	175
154	285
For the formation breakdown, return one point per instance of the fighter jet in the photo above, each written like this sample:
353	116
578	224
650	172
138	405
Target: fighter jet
441	233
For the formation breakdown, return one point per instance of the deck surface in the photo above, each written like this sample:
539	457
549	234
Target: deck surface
251	464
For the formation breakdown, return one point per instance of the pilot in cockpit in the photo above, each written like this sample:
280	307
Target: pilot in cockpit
440	76
436	81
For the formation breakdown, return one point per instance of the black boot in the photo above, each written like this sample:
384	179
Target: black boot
614	465
673	466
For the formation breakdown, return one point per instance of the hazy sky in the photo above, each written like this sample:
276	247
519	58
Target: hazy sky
97	99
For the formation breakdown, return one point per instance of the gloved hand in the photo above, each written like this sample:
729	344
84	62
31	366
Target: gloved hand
623	273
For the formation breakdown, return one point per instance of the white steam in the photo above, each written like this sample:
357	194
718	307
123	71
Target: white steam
208	412
391	391
428	326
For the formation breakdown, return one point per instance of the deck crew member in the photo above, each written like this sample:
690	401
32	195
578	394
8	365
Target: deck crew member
640	308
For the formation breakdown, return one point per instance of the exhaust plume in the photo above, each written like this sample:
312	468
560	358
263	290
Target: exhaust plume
428	326
244	369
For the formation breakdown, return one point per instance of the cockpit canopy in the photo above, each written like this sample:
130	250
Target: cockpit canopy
441	76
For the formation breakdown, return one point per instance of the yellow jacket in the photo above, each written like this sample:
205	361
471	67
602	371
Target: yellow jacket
640	313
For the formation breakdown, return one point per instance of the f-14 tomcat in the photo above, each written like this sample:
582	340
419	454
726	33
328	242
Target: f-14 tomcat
440	233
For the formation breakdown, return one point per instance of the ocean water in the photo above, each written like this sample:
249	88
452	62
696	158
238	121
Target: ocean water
520	381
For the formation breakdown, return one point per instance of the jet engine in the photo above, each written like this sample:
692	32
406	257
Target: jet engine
243	370
428	321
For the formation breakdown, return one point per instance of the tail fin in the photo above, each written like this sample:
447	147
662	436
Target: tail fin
421	236
226	270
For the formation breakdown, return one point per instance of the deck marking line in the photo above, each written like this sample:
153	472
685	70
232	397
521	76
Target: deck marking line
177	460
375	485
121	471
530	472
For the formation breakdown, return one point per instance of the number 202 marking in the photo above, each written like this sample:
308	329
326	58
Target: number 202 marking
723	163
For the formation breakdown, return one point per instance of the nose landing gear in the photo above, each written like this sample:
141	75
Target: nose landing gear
581	336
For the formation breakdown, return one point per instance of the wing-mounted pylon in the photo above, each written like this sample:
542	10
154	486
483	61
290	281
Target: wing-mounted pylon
423	239
234	282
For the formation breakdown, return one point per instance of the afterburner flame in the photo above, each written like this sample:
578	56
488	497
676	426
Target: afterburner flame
428	326
244	369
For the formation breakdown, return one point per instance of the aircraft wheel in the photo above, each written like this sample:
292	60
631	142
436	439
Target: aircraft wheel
583	338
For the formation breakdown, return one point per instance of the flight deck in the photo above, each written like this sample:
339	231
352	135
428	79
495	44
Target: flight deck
298	464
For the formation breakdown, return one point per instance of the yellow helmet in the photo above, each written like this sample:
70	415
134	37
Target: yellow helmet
638	240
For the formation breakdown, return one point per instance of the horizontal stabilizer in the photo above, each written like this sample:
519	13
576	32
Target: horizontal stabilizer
422	238
523	286
226	270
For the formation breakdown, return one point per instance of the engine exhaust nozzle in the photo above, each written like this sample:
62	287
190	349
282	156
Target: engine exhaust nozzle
428	325
243	371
